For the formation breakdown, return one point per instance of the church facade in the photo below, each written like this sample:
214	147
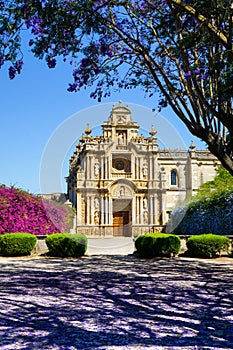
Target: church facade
122	184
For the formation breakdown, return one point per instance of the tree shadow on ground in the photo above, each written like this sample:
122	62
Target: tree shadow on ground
114	301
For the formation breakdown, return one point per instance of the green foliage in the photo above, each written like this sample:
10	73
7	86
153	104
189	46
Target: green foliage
17	244
179	49
207	245
222	183
210	210
150	245
66	245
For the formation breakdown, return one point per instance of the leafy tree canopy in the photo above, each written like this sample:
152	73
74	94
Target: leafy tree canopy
181	49
222	183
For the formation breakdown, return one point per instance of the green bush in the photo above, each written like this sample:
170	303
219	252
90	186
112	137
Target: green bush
207	245
66	245
150	245
17	244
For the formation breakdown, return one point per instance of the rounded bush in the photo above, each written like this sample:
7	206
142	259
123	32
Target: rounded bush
150	245
207	245
17	244
66	245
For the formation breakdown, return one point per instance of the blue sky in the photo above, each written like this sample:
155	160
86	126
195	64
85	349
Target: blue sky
39	121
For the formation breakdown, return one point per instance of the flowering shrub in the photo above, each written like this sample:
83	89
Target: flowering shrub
20	211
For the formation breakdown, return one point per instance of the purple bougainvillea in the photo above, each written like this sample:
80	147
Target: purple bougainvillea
21	211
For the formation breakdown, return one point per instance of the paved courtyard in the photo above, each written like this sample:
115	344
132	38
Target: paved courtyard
116	302
110	246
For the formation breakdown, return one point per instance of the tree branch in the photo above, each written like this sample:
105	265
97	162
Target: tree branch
211	28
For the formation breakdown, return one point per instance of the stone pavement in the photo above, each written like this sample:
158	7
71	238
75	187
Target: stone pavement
116	303
110	246
101	246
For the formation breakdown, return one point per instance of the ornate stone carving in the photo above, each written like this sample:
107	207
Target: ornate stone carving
145	169
121	191
132	178
145	217
120	138
96	203
96	169
145	203
96	217
121	120
119	164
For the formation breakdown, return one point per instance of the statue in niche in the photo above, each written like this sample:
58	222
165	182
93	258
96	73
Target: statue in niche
120	139
96	203
145	217
96	217
144	203
96	169
144	169
122	191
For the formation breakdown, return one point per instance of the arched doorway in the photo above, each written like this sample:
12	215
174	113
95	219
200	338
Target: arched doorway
122	217
122	193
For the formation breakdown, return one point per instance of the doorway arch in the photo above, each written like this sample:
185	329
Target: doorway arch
122	192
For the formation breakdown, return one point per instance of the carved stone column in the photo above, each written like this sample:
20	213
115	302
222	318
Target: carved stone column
141	211
88	210
110	212
79	209
140	168
163	208
102	168
151	169
92	210
151	211
137	210
155	220
91	167
133	211
106	210
102	209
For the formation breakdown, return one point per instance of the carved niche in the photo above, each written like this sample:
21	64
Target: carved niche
121	191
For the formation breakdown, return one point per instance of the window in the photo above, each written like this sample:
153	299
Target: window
173	178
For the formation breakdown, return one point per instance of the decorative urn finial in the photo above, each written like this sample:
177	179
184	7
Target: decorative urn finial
82	138
88	130
192	146
153	132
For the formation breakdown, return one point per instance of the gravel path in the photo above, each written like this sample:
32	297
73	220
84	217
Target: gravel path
116	302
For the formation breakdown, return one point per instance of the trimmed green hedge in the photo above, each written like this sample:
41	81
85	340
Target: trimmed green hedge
66	245
207	245
150	245
17	244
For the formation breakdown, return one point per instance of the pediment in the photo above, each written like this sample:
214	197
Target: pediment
121	191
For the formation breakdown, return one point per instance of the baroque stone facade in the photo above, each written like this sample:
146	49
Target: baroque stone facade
122	184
